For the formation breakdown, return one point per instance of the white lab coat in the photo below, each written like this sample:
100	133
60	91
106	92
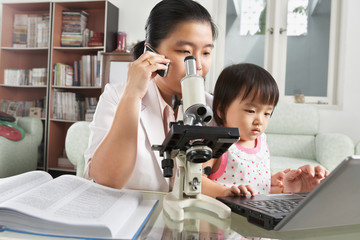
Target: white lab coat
147	174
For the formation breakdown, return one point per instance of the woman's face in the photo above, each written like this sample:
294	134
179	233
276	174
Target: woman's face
191	38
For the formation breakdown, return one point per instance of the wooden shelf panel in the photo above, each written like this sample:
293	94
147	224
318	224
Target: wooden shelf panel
68	56
19	8
22	94
56	141
63	169
25	50
79	49
36	7
76	87
95	20
21	86
23	59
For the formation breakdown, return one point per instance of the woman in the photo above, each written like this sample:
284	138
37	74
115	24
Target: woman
130	119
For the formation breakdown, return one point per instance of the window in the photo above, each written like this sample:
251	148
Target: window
252	17
291	39
297	17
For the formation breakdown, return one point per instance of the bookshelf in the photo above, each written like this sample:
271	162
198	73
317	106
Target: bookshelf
21	51
20	54
102	17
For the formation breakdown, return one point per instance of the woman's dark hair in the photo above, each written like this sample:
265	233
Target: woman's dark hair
243	79
165	16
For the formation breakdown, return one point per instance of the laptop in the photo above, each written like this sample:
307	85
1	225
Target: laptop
334	202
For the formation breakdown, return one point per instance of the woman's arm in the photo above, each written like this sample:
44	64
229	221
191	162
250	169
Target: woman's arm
114	160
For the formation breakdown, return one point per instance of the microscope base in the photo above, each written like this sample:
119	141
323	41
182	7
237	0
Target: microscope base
175	207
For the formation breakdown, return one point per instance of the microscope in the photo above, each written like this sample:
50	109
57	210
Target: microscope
192	143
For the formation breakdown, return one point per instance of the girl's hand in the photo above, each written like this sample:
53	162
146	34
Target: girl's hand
241	190
142	70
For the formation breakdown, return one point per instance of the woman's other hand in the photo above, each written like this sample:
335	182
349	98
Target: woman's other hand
304	179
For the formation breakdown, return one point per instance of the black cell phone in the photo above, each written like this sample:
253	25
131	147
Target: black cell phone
162	73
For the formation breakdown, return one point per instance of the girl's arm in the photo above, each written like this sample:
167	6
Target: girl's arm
208	186
213	189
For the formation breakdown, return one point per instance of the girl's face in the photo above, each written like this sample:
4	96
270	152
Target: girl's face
191	38
250	116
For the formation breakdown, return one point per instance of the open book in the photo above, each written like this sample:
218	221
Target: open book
71	206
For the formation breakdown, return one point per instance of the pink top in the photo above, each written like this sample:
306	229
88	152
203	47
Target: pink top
247	166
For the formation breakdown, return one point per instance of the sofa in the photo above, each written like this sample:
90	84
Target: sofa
21	156
357	149
294	139
76	142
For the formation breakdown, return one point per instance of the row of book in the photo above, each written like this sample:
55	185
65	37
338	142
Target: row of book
28	77
83	72
73	28
73	106
22	108
31	30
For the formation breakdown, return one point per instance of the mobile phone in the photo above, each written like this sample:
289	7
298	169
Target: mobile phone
162	73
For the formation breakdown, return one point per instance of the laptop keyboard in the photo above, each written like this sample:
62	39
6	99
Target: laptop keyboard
275	206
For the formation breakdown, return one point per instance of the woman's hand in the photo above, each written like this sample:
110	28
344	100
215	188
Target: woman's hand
142	70
304	179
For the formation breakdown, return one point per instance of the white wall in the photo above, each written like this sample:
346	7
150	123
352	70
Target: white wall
344	119
132	17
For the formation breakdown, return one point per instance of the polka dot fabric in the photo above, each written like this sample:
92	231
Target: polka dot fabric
246	166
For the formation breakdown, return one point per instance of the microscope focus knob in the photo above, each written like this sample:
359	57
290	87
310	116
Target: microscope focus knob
199	154
167	164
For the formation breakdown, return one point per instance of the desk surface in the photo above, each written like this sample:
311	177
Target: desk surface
204	225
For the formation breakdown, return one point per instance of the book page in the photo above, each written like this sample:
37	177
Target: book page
78	202
15	185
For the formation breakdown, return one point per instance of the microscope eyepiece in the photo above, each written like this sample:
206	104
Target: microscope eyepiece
193	93
190	66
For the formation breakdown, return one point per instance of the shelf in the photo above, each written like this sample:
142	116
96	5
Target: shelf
57	168
78	48
61	120
76	87
25	58
22	86
103	17
23	50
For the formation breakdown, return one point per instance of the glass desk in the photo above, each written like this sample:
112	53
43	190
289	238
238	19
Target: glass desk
204	225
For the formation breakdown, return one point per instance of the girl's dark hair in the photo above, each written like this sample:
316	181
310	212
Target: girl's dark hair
165	16
243	79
